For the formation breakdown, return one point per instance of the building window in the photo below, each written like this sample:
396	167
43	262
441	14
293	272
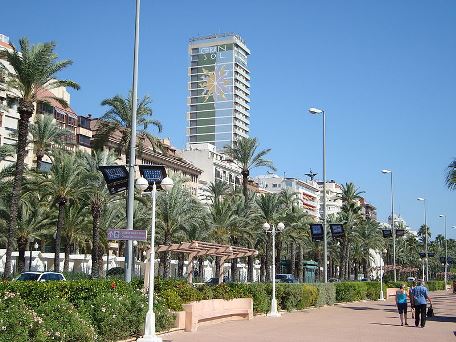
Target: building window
83	140
84	122
274	185
71	121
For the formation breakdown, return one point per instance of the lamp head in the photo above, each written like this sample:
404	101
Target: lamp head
142	184
135	243
35	245
167	184
315	111
420	199
441	215
386	171
280	226
266	226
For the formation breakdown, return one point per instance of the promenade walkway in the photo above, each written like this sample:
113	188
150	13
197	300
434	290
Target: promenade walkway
362	321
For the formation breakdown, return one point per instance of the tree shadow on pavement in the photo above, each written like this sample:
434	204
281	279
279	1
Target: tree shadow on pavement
447	319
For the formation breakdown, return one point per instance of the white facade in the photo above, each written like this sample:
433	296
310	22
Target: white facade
333	201
308	191
215	166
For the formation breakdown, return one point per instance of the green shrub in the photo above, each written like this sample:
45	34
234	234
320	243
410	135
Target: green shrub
373	290
326	294
350	291
309	296
63	323
172	300
435	285
17	322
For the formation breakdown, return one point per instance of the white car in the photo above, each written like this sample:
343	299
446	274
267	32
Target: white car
41	276
410	279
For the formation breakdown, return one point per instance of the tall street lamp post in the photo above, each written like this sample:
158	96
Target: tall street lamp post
273	230
316	111
425	237
446	250
393	229
131	169
149	330
30	241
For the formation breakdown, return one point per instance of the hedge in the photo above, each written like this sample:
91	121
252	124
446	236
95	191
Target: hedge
107	310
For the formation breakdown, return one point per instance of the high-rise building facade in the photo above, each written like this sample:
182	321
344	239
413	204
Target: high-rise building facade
219	90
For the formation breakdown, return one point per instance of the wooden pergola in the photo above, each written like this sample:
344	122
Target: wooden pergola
196	249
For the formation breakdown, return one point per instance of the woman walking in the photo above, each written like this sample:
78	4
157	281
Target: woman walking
401	302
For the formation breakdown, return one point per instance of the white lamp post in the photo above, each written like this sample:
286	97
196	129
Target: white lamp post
149	330
273	230
393	229
316	111
446	250
381	275
30	240
425	238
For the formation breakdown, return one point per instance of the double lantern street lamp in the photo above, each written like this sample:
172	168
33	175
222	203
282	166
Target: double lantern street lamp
393	229
273	230
316	111
149	330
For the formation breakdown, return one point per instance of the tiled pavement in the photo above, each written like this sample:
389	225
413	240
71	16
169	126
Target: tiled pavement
362	321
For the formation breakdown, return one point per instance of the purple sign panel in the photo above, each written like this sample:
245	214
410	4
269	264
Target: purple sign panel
126	234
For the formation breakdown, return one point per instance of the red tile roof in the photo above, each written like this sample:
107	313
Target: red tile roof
44	93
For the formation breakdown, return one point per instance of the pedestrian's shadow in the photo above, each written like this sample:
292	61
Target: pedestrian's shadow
391	325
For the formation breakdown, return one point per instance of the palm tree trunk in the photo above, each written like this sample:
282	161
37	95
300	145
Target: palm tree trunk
267	262
293	258
277	252
180	265
250	267
96	211
165	258
39	158
22	247
263	268
218	267
25	110
245	181
66	262
58	234
300	265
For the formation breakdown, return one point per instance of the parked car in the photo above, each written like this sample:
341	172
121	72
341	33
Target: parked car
41	276
214	281
334	280
285	278
364	279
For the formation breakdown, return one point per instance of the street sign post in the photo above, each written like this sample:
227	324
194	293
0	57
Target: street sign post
127	234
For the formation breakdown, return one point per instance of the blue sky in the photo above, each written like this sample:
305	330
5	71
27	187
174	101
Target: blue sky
384	71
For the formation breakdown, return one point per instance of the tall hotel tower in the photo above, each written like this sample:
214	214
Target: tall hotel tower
219	95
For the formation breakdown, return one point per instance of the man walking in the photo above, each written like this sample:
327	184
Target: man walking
420	297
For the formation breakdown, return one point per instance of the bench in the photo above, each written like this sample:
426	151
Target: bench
216	310
391	292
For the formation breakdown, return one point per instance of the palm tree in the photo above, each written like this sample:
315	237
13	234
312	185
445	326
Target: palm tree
176	211
244	152
119	119
35	68
351	216
45	133
270	211
97	197
33	219
76	231
451	175
63	186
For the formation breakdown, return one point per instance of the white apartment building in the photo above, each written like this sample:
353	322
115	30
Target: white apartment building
333	201
214	166
65	117
308	191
